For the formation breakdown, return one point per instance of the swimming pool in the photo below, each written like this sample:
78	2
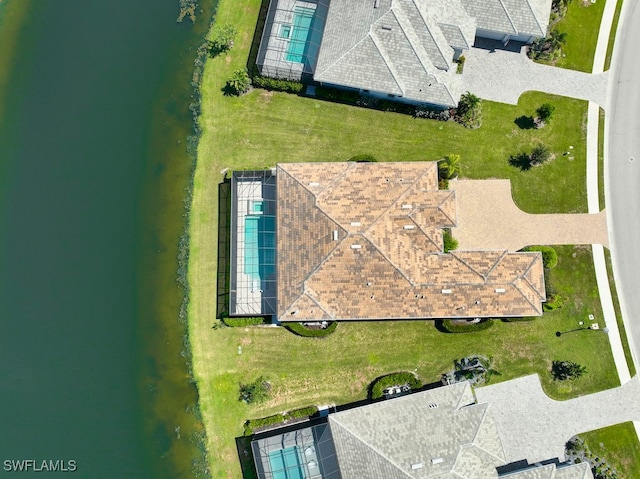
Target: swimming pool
302	18
285	464
259	245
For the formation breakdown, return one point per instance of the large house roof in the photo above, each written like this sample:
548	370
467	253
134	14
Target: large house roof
437	434
400	47
364	241
528	17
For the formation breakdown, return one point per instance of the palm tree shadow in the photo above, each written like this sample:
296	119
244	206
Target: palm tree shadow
521	161
525	122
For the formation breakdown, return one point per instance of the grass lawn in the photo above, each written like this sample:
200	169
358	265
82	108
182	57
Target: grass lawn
612	36
261	129
619	446
581	24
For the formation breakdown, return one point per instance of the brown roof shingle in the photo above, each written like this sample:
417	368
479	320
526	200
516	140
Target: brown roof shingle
364	241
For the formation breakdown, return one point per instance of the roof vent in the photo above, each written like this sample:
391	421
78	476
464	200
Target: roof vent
355	223
355	246
437	460
407	207
314	183
417	465
376	3
433	405
409	227
501	290
386	27
335	235
446	291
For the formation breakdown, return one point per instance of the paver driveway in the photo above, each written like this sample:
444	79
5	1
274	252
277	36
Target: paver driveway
502	75
489	219
535	427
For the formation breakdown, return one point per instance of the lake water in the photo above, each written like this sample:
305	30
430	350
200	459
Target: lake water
94	118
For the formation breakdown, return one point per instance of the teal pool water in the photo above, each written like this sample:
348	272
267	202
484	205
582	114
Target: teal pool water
251	256
302	19
259	244
285	31
285	464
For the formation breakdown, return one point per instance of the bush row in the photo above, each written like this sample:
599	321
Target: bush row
549	255
451	326
396	379
301	330
252	424
333	94
277	84
242	322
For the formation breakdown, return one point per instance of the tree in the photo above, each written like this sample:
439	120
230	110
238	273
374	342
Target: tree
545	112
222	38
563	370
469	110
255	392
539	155
449	167
239	83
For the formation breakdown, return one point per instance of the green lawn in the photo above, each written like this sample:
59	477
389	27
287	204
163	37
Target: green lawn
261	129
581	24
619	446
612	36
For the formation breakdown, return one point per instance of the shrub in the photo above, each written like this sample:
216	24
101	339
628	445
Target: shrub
255	392
301	330
333	94
364	158
450	243
377	387
563	370
222	38
460	61
449	166
440	115
469	111
554	301
242	322
238	84
539	155
454	326
549	255
545	112
252	424
277	84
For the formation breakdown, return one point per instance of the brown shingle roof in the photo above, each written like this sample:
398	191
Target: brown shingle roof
364	241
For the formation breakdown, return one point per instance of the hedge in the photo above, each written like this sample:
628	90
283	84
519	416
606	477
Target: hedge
452	327
242	322
395	379
364	158
252	424
549	255
300	330
333	94
277	84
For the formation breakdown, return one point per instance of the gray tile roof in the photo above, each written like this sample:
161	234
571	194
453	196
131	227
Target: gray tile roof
397	48
515	17
440	434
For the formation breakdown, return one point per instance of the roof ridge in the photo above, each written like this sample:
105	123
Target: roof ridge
317	303
482	421
523	276
383	54
513	25
455	26
490	270
516	283
369	446
364	37
425	233
408	30
350	165
451	193
543	30
393	265
473	270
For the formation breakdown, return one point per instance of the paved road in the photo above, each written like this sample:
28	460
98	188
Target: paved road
533	426
622	168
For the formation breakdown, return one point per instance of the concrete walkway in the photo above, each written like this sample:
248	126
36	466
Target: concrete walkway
501	75
535	427
489	219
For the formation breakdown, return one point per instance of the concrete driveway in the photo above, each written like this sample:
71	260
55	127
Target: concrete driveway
535	427
502	75
489	219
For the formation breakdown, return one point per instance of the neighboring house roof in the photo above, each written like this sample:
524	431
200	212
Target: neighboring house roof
400	47
514	17
364	241
438	434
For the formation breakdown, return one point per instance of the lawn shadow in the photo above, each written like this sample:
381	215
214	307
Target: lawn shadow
245	454
257	35
224	250
525	122
521	161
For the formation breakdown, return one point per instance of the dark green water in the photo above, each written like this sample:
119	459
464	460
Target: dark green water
93	125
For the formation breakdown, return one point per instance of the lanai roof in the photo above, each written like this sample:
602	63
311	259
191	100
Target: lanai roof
364	241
